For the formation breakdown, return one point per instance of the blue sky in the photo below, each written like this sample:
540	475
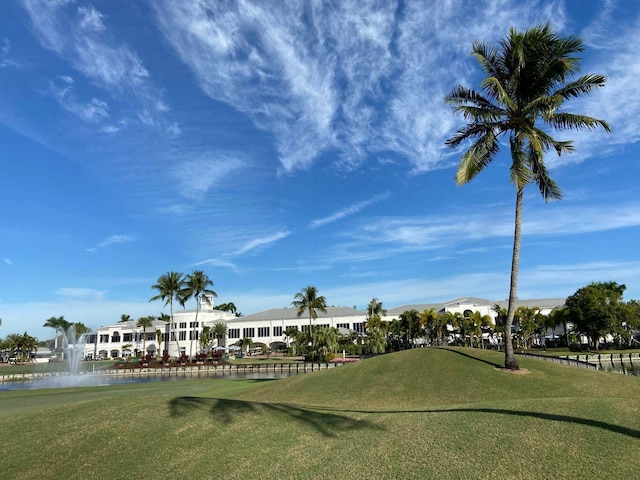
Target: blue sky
276	145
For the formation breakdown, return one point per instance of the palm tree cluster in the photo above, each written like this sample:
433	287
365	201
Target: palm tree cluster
19	345
176	286
526	85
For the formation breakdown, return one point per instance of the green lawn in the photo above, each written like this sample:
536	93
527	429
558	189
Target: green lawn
425	413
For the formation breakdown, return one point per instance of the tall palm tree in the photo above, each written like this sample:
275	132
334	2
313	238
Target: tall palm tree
159	340
478	323
294	334
124	318
308	300
228	307
196	286
525	87
169	286
144	323
435	324
220	330
60	325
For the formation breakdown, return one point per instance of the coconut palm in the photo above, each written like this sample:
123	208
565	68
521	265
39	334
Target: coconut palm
60	325
245	344
144	323
325	341
124	318
169	286
308	300
376	341
220	330
159	340
478	323
524	90
196	286
292	333
228	307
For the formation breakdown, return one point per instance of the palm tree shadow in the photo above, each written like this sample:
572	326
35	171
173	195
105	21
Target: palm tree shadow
630	432
225	411
493	364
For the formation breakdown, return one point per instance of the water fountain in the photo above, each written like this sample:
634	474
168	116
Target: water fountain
70	348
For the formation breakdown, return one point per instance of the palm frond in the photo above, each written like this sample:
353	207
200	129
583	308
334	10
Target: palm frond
548	188
496	90
564	120
461	95
471	130
519	173
581	86
477	157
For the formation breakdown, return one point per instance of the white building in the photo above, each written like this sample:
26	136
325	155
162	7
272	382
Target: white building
263	328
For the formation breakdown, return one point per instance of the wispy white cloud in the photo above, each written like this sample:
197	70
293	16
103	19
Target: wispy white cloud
111	240
7	261
216	262
452	234
199	173
80	35
94	110
261	242
81	293
350	210
6	60
360	78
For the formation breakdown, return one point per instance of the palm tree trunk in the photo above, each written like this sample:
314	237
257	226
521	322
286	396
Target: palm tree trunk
510	361
171	331
193	331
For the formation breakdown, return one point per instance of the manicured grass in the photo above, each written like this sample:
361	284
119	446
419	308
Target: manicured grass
426	413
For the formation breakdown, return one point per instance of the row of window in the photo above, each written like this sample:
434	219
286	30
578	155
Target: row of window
233	333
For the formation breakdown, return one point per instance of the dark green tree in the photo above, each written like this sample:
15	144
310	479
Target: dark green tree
595	310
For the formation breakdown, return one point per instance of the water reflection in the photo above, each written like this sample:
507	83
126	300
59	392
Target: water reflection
88	380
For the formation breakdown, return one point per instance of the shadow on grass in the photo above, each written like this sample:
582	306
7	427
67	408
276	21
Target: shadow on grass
227	411
493	364
630	432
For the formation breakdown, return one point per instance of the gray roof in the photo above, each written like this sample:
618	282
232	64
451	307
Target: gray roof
292	314
540	302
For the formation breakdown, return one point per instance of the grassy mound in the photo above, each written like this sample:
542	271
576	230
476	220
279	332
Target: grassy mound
431	378
427	413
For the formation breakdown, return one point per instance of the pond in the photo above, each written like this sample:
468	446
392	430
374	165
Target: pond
89	380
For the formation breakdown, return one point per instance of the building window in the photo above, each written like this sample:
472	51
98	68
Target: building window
194	324
164	337
182	335
305	328
183	325
194	335
115	337
173	336
292	326
324	326
234	333
263	331
358	327
104	338
343	325
126	337
151	336
277	331
249	332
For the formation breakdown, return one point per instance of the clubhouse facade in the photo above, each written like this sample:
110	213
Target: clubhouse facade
266	328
